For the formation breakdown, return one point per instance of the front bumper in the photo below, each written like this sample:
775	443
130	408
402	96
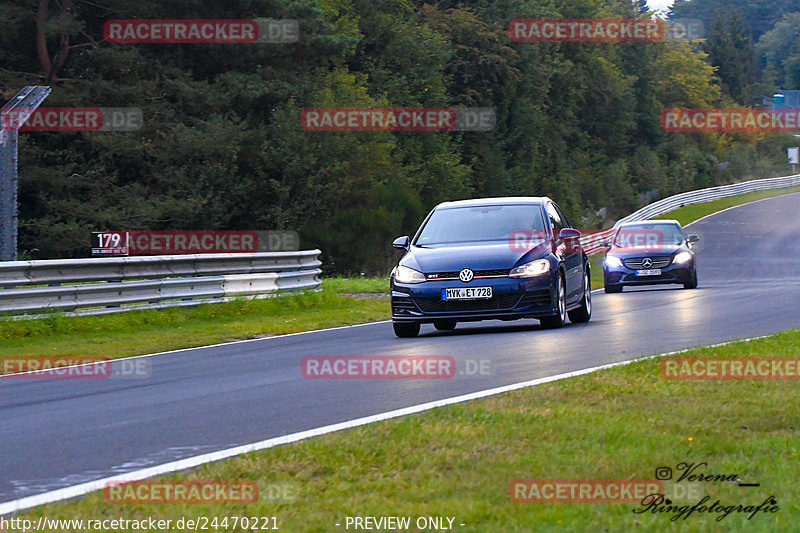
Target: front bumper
511	299
670	274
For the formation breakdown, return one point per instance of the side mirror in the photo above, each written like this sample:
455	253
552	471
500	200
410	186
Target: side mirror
692	238
606	243
569	233
401	242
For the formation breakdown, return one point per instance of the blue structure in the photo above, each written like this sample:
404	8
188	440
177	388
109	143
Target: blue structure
790	99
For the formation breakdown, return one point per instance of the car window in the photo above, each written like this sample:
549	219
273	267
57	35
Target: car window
556	223
563	217
480	223
643	235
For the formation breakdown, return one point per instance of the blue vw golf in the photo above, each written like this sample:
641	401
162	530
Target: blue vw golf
492	258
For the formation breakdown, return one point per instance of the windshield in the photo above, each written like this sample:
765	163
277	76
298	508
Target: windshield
480	224
648	235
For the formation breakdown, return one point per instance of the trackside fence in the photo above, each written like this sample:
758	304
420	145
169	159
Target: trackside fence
110	285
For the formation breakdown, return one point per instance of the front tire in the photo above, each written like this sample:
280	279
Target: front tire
610	289
558	321
406	329
692	283
584	312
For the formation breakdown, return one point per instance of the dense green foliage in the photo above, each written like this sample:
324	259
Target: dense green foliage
754	43
222	147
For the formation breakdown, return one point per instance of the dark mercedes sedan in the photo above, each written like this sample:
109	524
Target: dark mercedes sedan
648	253
494	258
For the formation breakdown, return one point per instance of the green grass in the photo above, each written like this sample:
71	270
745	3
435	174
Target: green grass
148	331
619	423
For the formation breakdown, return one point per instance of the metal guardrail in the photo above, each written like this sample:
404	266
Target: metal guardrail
100	286
592	242
706	195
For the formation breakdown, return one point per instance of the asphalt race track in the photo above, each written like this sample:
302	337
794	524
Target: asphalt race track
57	433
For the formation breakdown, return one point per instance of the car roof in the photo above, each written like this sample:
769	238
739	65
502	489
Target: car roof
509	200
659	221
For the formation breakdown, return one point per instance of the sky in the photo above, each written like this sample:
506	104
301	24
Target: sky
658	5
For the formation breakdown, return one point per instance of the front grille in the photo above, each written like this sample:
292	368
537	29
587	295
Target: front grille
477	273
635	263
538	298
402	305
437	305
664	276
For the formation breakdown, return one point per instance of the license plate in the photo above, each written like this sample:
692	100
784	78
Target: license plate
467	293
651	272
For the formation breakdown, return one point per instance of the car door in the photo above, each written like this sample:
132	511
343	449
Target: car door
569	253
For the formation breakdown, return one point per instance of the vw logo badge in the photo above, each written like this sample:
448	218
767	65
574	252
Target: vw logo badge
465	275
647	262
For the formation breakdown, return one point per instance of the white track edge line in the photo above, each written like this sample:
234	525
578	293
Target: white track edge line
177	350
190	462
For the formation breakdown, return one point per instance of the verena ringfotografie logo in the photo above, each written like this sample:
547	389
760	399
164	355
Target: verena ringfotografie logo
182	492
201	31
586	30
582	490
397	119
73	119
730	368
73	367
730	120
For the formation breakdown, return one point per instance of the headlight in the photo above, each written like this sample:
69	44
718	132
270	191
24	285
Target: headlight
612	261
682	257
531	270
403	274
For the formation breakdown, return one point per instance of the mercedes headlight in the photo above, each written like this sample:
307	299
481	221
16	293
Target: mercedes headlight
682	257
612	261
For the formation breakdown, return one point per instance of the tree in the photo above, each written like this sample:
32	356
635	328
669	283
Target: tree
730	49
779	50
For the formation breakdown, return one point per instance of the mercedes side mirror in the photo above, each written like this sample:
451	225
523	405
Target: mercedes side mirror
401	242
692	238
